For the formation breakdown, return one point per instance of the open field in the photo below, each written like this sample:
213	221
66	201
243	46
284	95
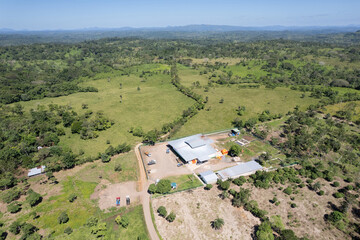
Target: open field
195	209
217	116
157	102
352	107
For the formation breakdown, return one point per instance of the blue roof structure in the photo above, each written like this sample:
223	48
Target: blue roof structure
239	170
194	147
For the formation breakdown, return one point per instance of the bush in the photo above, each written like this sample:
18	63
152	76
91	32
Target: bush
68	230
225	185
76	127
117	167
338	195
301	185
321	193
72	197
336	184
33	198
152	188
288	190
349	187
293	205
277	203
171	217
217	223
14	207
208	186
63	218
162	211
287	234
92	221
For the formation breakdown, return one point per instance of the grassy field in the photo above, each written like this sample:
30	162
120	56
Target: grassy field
129	170
157	102
354	106
217	116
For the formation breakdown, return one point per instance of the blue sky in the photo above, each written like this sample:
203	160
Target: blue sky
75	14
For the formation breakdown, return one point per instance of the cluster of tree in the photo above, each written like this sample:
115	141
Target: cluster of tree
163	213
162	187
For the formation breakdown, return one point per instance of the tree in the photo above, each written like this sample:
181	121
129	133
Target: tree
235	150
162	211
264	231
225	185
63	218
171	217
163	186
287	234
117	167
68	230
335	216
152	188
76	127
15	227
33	198
218	223
14	207
123	221
68	160
105	158
99	230
208	186
11	195
72	197
316	186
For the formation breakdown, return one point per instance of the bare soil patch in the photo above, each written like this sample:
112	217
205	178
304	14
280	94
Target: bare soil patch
107	193
195	209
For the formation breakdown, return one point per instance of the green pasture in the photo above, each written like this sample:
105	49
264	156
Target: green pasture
217	116
157	102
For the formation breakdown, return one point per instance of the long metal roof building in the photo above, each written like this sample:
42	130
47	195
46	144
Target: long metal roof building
242	169
194	147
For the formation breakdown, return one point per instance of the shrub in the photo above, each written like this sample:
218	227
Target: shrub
349	187
63	218
264	231
162	211
225	185
14	207
293	205
68	230
92	221
288	234
217	223
301	185
321	193
72	197
288	190
338	195
171	217
208	186
277	203
117	167
336	184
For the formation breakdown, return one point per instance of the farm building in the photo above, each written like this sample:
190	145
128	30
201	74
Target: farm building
196	148
208	177
36	171
242	169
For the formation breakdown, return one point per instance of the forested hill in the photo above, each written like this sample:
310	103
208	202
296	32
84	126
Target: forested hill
339	35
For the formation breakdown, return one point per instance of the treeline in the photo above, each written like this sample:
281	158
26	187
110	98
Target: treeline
31	138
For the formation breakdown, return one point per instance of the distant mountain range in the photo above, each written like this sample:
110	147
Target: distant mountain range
201	28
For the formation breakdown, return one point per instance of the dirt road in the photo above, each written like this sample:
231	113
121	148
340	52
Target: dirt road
142	186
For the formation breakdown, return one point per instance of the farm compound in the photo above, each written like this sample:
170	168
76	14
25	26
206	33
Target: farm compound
196	148
241	169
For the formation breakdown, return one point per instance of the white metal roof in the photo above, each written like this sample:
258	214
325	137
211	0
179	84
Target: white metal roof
241	169
208	177
193	147
36	171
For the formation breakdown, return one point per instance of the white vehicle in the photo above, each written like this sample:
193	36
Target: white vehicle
151	162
